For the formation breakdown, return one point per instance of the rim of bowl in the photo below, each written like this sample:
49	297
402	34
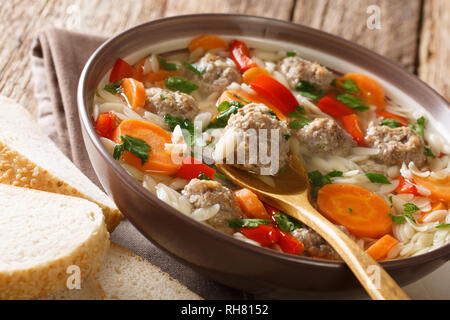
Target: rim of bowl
441	252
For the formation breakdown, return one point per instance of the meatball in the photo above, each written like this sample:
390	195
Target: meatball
370	165
217	73
163	101
296	69
397	145
315	245
325	136
247	124
205	193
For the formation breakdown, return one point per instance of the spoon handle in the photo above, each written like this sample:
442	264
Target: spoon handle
376	281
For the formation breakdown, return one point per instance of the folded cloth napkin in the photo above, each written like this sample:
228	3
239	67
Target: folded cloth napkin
58	57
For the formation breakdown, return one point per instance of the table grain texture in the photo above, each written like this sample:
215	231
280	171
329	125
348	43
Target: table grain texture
414	33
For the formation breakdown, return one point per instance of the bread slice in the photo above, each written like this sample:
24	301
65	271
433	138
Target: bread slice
28	158
90	290
43	234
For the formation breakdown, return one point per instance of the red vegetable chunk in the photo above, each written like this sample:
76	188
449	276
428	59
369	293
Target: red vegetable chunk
191	168
264	234
120	70
105	124
334	107
240	54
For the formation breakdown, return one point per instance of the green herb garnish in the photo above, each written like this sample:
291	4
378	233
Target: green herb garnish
291	54
173	121
391	123
350	210
397	219
203	176
286	222
377	178
301	119
419	126
226	109
408	210
352	101
443	225
219	175
249	223
194	68
114	87
240	98
298	124
138	147
166	65
428	151
308	90
180	84
348	85
318	180
286	136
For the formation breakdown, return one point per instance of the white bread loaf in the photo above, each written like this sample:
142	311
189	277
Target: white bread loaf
28	158
90	290
41	235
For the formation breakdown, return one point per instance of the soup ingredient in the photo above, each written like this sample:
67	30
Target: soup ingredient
249	223
252	73
334	108
257	116
387	115
275	92
193	68
290	244
381	247
159	160
207	42
439	188
419	126
264	234
325	136
240	54
138	147
156	77
105	124
406	186
226	109
370	92
205	193
438	205
134	92
285	222
352	101
120	70
353	125
377	178
397	145
296	69
318	180
173	121
250	204
163	102
391	123
443	225
314	244
180	84
219	73
348	85
308	90
114	87
429	151
166	65
192	168
369	211
299	119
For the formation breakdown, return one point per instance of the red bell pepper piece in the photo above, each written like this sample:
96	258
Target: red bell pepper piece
353	125
388	115
105	124
264	234
334	107
240	54
120	70
277	94
191	168
289	244
406	186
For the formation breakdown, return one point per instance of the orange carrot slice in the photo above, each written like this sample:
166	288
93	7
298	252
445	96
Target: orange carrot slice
207	42
250	204
440	188
381	247
363	213
371	93
134	91
252	73
159	160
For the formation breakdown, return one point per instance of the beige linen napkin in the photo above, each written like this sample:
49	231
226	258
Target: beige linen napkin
58	57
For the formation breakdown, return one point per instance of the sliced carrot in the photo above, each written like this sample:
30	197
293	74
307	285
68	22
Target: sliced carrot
245	98
252	73
388	115
435	206
134	91
155	77
363	213
370	91
439	188
382	246
250	204
159	160
353	125
207	42
138	70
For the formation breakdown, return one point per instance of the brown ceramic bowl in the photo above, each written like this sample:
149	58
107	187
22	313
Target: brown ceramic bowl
215	254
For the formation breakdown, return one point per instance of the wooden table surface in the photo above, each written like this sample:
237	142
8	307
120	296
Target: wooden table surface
414	33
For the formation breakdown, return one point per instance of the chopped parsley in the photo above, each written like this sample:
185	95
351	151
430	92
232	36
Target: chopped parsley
350	210
203	176
377	178
419	126
114	87
173	121
226	109
286	222
301	119
443	225
194	68
219	175
138	147
291	54
166	65
180	84
249	223
271	112
391	123
308	90
318	180
408	210
240	98
428	151
286	136
353	102
348	85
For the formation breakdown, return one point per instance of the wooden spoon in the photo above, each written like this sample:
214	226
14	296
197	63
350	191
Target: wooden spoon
290	195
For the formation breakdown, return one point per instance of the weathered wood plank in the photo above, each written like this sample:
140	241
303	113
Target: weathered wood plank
397	38
434	50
